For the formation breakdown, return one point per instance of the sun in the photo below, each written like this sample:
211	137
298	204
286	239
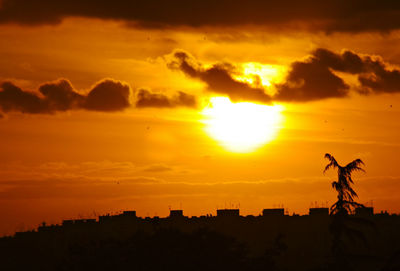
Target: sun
241	127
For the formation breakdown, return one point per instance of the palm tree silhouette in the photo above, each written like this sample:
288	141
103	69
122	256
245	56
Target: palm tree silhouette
346	194
342	224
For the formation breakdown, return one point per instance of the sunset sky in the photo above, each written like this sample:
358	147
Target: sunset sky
150	105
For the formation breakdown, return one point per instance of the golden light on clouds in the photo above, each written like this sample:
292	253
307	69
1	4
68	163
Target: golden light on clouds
259	74
151	77
241	127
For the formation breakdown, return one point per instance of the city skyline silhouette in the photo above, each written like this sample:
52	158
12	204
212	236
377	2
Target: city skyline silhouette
199	135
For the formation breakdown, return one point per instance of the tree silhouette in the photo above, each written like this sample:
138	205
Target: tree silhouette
346	194
343	227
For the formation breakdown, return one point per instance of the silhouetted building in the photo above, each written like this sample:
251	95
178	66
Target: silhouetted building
68	222
126	215
175	213
104	218
274	212
129	213
227	212
364	211
318	211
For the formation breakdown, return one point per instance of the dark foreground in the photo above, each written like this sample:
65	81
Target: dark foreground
208	243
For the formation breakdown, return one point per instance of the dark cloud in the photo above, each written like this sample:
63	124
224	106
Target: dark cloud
315	78
12	98
60	96
379	78
318	77
331	15
219	78
107	95
346	62
310	80
146	98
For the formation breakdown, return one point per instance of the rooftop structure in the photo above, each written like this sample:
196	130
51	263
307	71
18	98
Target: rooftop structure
227	212
175	213
364	211
129	213
69	222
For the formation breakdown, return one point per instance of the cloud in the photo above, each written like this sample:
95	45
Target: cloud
60	96
380	79
12	98
319	76
145	98
331	15
107	95
218	78
310	80
315	77
158	168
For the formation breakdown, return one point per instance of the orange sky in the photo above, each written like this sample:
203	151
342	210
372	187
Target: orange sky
127	128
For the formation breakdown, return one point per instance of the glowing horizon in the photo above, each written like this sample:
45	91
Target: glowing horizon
105	112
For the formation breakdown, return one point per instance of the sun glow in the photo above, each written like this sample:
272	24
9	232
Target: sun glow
241	127
259	74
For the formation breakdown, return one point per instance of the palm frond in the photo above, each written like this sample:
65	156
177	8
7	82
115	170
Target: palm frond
333	163
355	166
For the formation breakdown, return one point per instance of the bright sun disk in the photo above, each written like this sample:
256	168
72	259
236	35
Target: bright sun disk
241	127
